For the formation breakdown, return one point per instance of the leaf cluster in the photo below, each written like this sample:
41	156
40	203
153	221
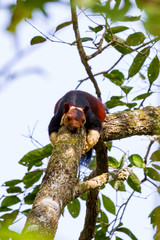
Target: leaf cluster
22	192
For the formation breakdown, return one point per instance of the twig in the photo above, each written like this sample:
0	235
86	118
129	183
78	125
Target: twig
98	181
120	219
148	150
103	72
100	49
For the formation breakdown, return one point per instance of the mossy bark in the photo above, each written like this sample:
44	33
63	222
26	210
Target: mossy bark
120	125
57	186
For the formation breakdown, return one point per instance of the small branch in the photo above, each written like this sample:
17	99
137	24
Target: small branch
93	186
80	48
112	66
103	72
100	49
114	228
148	150
98	181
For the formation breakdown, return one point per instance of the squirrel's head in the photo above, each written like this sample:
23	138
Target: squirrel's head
74	117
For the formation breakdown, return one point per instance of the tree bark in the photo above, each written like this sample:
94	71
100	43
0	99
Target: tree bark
57	186
119	125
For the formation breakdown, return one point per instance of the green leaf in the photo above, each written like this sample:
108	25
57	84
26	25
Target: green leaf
9	218
119	44
100	235
153	70
30	178
25	212
103	218
127	232
84	39
31	196
114	102
84	196
12	182
142	76
74	208
5	209
135	39
138	62
142	96
153	17
131	18
37	40
140	4
9	201
126	89
112	162
118	186
152	173
155	157
156	166
121	163
7	234
96	29
25	9
108	204
62	25
134	182
116	77
14	189
137	161
115	13
35	156
155	217
131	105
109	145
118	29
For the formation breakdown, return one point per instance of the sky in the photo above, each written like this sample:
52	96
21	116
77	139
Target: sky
27	104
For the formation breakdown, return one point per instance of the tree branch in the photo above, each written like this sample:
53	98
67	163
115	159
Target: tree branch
57	186
119	125
80	48
98	181
92	208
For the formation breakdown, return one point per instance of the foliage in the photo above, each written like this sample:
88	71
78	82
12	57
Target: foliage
113	29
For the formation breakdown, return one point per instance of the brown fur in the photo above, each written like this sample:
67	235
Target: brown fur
74	118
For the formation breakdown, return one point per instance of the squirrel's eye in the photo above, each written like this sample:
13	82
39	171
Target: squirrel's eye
68	118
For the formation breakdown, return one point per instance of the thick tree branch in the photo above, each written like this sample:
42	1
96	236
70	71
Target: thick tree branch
130	123
57	186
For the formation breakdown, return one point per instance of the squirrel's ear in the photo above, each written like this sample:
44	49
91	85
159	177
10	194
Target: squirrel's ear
66	107
85	109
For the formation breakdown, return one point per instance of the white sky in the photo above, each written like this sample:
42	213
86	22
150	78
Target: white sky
31	98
